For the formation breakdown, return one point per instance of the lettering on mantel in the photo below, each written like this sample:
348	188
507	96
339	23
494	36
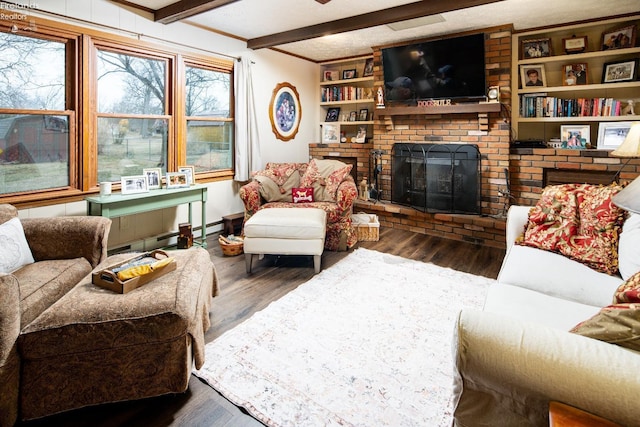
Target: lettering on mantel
434	103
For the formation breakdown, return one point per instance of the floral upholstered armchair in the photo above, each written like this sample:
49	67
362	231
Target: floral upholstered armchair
326	182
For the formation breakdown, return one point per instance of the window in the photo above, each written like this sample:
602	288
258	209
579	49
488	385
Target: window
132	120
209	144
34	122
81	107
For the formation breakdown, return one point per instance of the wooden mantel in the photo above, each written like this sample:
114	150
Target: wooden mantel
481	108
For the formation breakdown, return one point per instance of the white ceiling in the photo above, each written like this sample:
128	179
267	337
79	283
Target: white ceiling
247	19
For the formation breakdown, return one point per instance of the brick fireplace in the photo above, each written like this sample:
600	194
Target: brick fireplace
491	133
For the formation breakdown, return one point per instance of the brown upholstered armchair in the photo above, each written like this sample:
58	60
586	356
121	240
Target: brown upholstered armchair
65	249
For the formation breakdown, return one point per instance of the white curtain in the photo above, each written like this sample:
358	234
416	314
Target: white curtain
246	136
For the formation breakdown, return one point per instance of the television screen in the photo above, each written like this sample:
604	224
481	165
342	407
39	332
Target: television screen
447	68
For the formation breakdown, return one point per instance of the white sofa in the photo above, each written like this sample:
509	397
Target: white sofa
516	355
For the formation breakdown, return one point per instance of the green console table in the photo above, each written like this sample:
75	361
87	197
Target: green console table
117	204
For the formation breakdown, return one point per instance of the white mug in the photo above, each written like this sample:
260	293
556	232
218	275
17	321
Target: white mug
105	188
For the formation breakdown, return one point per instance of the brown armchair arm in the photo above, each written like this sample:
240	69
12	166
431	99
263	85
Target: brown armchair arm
68	237
9	359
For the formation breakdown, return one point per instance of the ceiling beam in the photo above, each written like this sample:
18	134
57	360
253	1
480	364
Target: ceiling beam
359	22
186	8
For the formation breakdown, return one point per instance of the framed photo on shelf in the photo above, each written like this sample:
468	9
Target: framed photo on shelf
574	44
533	75
331	75
620	71
134	184
539	48
361	135
574	74
368	68
190	171
177	180
154	177
349	74
352	116
364	114
619	38
611	134
330	133
333	114
577	137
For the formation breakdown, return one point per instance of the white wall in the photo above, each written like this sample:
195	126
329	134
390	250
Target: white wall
269	69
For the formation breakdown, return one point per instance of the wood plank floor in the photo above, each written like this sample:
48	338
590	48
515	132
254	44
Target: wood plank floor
243	295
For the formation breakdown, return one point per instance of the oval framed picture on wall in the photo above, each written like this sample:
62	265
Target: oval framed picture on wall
285	111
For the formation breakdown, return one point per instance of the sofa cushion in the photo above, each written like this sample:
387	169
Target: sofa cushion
616	324
14	249
44	282
325	176
629	291
554	274
629	247
580	222
524	304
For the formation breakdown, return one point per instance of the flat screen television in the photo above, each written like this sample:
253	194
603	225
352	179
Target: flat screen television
437	69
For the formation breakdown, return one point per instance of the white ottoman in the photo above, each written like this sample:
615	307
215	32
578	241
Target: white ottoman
285	231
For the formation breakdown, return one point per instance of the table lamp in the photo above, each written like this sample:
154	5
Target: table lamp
629	197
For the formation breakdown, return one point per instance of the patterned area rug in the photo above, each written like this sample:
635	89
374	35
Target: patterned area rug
366	342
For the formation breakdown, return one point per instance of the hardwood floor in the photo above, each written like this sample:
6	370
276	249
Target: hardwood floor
243	295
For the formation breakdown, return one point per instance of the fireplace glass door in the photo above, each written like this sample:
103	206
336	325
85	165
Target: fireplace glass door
436	177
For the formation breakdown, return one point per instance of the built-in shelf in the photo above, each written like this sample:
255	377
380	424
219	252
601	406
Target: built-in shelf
581	119
349	101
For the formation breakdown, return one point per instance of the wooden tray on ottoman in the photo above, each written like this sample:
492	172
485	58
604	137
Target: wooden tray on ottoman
106	278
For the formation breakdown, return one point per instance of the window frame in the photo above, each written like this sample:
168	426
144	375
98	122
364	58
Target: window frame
81	105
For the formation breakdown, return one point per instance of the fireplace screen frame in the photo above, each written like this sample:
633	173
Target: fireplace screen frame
437	178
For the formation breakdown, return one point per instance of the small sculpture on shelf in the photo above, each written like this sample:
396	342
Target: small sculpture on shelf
629	110
380	98
363	190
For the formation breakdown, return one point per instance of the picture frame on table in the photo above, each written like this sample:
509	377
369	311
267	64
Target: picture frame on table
612	134
620	71
177	180
368	68
190	171
577	137
363	115
154	178
619	38
532	76
538	48
575	74
330	75
133	184
575	44
333	114
349	74
330	133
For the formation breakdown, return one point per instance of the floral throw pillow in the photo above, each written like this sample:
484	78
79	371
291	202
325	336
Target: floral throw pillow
277	180
325	176
578	221
553	220
629	291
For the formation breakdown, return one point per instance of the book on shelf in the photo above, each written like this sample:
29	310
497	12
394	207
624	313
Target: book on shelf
345	93
540	105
